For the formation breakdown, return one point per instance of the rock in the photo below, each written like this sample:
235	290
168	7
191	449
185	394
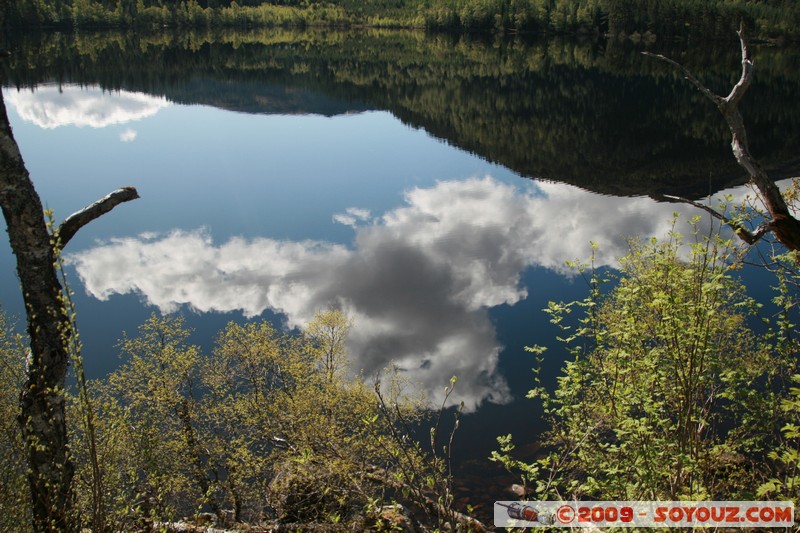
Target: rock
527	452
205	519
395	518
520	491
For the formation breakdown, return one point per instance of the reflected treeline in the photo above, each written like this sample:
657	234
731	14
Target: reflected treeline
596	114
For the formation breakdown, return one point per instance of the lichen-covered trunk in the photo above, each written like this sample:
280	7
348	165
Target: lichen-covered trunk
42	399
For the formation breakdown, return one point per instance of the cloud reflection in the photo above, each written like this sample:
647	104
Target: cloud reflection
129	135
352	216
418	281
51	106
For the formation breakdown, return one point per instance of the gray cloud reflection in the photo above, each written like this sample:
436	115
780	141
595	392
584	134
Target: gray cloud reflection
418	281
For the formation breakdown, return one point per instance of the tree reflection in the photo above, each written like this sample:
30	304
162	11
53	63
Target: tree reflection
594	114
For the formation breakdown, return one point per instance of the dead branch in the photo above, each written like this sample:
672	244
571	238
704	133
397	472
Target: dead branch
77	220
688	76
785	227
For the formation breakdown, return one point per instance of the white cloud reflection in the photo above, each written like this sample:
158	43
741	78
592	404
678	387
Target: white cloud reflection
51	106
352	216
129	135
418	281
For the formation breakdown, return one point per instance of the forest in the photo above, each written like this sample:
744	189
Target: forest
648	19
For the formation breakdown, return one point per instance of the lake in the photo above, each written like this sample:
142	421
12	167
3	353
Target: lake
430	186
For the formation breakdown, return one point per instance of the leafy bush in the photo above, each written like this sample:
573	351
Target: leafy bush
668	393
269	426
15	505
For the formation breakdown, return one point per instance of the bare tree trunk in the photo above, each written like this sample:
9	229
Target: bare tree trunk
783	225
42	398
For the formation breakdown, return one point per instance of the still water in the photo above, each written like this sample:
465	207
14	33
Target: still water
431	187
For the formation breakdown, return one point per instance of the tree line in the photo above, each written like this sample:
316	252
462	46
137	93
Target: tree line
649	18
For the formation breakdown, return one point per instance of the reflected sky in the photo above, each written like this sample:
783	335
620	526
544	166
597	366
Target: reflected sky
415	240
418	280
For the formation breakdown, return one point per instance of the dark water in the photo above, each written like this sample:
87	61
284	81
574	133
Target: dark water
430	186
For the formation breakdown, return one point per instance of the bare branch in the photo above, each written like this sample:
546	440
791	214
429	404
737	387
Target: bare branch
718	100
743	84
743	233
77	220
738	90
